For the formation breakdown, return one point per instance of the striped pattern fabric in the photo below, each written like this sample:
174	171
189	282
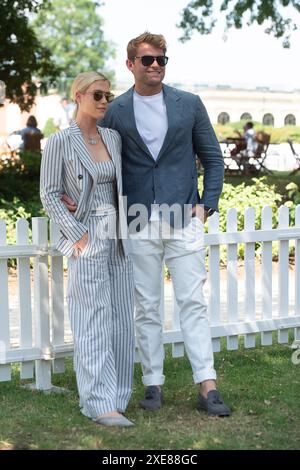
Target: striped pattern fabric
105	194
100	284
68	168
100	302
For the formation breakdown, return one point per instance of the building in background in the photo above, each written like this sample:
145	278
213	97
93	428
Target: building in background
224	104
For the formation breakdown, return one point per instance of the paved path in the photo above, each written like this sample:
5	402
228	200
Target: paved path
14	302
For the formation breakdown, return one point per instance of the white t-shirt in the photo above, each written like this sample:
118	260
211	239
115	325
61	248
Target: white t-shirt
151	120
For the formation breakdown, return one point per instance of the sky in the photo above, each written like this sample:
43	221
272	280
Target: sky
248	58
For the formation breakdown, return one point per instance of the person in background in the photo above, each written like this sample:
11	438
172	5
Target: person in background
64	115
27	132
247	141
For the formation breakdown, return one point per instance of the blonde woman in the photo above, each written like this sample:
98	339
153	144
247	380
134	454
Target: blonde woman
84	162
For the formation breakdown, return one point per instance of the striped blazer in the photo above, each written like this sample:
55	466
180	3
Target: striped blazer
68	168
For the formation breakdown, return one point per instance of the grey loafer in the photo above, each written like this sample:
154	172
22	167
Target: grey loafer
213	404
153	399
120	421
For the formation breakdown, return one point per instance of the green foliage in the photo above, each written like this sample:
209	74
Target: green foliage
278	134
73	32
49	128
32	162
257	195
11	211
23	59
293	196
201	16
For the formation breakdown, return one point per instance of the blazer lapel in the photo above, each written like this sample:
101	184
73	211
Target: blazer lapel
174	115
81	150
126	116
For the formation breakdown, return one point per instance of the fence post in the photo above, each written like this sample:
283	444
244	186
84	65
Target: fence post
249	284
266	224
214	303
5	369
297	272
24	287
232	280
283	275
41	303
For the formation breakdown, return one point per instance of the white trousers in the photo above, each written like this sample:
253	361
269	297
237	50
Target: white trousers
184	255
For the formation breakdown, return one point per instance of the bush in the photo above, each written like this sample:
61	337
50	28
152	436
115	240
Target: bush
257	195
49	128
11	211
293	196
31	162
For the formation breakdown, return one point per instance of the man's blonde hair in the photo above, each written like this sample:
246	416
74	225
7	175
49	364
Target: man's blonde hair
155	40
82	82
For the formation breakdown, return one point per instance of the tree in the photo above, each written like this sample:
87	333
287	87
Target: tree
73	32
198	15
24	63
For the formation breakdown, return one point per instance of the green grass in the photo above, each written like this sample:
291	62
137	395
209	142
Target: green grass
261	385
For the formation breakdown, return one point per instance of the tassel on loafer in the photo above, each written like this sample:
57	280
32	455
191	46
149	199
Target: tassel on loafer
213	404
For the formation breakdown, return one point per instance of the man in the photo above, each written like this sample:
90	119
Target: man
162	129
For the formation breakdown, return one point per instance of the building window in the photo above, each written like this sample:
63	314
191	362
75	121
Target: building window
223	118
246	117
290	120
268	120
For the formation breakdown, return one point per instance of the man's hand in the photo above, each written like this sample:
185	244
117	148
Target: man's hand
80	245
69	203
198	211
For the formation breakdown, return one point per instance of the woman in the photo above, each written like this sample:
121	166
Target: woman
84	161
31	136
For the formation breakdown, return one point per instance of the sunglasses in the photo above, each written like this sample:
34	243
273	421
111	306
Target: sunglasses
147	60
98	95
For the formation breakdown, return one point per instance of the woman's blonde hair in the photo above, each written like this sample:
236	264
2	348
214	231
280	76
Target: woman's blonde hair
82	82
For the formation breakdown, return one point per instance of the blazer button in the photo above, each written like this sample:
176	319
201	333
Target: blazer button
80	177
156	165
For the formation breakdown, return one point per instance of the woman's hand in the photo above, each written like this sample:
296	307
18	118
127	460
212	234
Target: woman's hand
80	245
69	203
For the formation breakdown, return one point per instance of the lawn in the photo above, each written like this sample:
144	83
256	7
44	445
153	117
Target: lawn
261	385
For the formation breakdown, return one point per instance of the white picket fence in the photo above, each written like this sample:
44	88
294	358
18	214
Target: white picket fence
36	334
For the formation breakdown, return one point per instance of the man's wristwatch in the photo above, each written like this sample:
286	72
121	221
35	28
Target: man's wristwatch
209	211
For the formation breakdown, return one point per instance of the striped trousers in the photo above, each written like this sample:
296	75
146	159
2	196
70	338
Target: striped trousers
100	304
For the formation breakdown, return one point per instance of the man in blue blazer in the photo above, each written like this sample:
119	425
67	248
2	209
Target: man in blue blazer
163	130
